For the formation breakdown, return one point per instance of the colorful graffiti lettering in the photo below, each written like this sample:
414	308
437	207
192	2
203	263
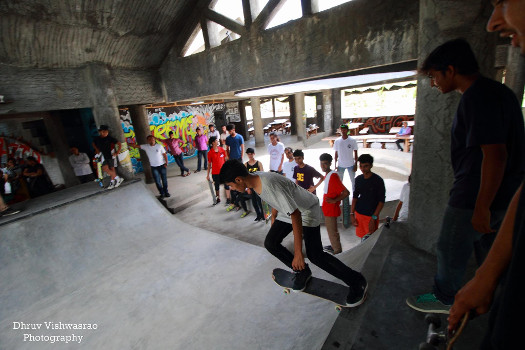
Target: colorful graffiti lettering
17	149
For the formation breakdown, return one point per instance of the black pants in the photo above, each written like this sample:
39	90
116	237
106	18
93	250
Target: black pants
257	204
398	143
239	199
314	252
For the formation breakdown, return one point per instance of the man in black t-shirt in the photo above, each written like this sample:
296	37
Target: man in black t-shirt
304	174
368	198
104	145
487	152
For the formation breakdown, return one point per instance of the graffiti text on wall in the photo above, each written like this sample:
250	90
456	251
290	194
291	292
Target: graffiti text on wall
17	149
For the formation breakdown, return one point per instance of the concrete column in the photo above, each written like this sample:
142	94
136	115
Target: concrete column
300	117
515	72
139	118
255	103
432	175
105	108
57	136
328	111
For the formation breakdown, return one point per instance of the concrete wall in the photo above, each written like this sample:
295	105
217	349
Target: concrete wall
36	90
341	39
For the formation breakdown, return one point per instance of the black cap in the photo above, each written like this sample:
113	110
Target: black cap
250	150
103	127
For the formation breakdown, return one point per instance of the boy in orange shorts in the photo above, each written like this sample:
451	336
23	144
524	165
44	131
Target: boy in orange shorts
368	198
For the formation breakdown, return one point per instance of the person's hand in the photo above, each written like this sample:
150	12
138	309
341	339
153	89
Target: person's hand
372	226
165	165
311	189
475	295
395	217
207	177
354	221
355	168
330	200
481	220
298	262
249	191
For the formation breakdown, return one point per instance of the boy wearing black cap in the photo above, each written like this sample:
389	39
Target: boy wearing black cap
253	166
103	145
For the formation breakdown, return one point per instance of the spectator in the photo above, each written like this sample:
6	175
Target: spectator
174	146
401	213
304	174
201	142
234	144
105	146
368	198
334	193
290	164
216	158
405	131
224	136
346	153
81	165
253	166
37	178
213	132
276	152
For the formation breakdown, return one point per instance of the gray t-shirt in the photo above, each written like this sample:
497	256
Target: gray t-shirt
286	196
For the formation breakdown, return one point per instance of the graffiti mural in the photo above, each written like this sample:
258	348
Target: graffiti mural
381	125
10	147
182	120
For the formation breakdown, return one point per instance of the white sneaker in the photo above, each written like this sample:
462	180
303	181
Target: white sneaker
119	181
111	185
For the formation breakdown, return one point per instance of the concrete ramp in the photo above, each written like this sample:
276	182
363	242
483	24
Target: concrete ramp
120	262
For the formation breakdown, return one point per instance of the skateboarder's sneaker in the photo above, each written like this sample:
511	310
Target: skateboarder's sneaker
245	213
167	195
119	181
428	303
230	207
111	185
328	249
300	279
217	201
357	294
8	211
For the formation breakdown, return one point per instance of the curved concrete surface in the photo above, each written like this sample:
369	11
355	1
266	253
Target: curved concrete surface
147	280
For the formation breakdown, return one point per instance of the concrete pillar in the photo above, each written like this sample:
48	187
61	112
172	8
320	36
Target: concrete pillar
432	175
515	72
300	117
139	118
255	103
328	111
57	136
105	108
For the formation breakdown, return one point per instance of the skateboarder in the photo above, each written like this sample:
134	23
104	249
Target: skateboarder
334	193
304	174
216	158
488	160
253	166
368	198
104	143
346	153
294	210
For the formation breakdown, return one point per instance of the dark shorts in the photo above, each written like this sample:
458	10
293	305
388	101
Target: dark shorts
216	181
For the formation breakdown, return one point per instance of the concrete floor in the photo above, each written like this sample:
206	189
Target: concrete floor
199	279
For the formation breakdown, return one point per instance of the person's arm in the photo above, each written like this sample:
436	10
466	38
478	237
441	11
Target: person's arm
345	193
274	214
477	294
97	151
242	150
372	223
297	226
335	159
313	188
352	212
165	159
260	166
398	209
492	171
280	168
355	159
134	145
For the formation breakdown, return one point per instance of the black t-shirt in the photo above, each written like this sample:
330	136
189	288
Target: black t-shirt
369	192
105	145
252	168
488	113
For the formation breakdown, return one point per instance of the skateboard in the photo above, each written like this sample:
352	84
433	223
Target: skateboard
320	288
346	212
267	211
441	339
97	164
212	190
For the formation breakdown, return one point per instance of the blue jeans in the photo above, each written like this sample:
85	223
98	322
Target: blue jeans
180	162
457	240
159	173
351	173
199	155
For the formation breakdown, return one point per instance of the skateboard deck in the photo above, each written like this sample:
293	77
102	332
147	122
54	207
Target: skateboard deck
212	190
97	164
267	211
441	339
320	288
346	212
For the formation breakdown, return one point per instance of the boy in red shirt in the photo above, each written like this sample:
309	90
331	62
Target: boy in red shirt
216	158
334	193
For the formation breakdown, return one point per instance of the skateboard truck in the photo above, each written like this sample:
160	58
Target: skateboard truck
441	339
388	220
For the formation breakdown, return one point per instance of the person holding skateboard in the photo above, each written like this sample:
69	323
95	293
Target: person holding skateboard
104	145
216	158
294	210
334	193
368	198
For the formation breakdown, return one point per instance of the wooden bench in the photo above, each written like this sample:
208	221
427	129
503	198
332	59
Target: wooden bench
368	139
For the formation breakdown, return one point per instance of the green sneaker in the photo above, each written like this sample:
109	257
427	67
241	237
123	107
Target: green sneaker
428	303
230	207
245	213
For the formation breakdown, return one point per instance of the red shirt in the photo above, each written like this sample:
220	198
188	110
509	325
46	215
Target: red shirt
216	160
333	188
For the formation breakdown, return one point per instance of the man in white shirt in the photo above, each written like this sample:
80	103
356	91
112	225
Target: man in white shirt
289	166
158	161
80	163
401	213
346	153
276	152
213	132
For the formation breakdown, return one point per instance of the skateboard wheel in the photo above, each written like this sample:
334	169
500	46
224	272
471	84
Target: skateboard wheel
338	308
433	319
286	291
